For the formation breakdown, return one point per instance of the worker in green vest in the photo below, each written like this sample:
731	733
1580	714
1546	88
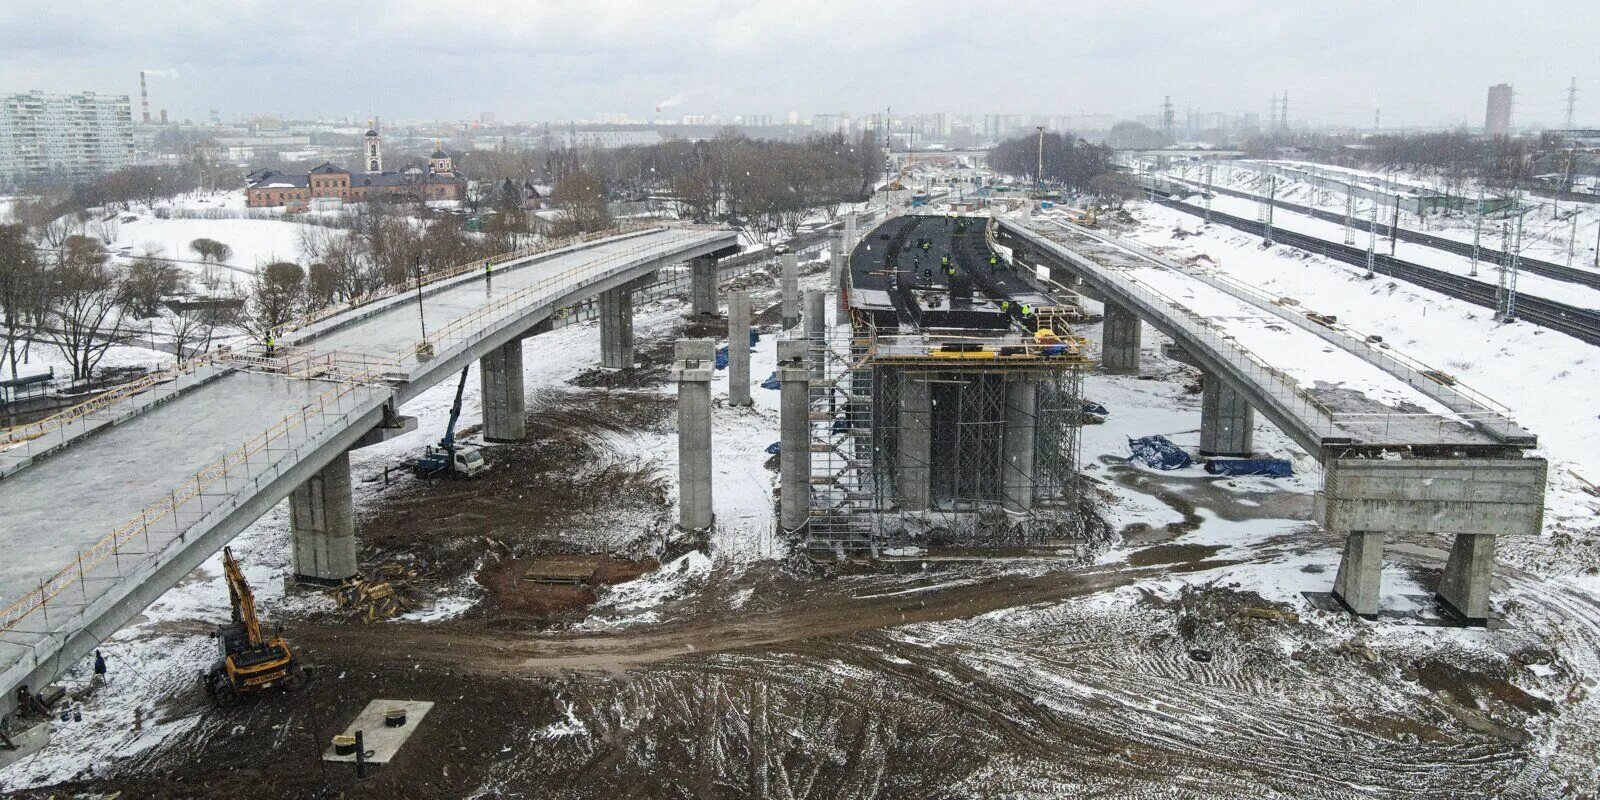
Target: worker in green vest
994	262
1027	311
272	343
1005	306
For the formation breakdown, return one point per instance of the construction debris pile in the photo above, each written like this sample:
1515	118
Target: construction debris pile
386	594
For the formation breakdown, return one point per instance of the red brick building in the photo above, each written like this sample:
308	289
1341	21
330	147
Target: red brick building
439	182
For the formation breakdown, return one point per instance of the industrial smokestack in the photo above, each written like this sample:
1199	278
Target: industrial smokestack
144	97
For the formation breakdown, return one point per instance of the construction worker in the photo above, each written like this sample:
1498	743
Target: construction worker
1005	306
1027	311
994	263
272	344
944	261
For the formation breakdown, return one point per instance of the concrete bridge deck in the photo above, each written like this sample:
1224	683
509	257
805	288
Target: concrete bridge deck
1404	450
108	517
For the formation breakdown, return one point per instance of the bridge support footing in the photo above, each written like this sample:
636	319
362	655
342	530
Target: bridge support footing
1464	589
794	440
1360	573
1119	339
1227	423
1022	395
505	408
703	285
913	471
616	328
322	525
739	348
693	363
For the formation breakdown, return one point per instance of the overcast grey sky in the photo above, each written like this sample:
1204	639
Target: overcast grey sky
1423	61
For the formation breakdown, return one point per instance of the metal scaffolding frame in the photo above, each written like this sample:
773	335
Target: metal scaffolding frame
871	486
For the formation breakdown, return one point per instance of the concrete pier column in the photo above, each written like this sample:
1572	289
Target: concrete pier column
616	328
841	297
692	364
794	442
1465	585
703	285
816	331
789	279
1017	481
505	408
913	470
739	348
849	230
1227	423
1360	572
322	525
1119	339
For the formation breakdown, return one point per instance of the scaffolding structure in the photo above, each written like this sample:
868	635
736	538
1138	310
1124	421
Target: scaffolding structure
966	442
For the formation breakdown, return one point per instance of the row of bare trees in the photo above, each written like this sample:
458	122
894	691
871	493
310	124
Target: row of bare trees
729	178
1069	163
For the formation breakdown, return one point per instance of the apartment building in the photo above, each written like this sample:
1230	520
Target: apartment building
63	137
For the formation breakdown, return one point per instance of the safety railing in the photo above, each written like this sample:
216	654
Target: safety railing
338	400
539	292
1411	370
481	265
57	422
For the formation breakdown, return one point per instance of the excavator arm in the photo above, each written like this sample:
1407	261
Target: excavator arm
242	598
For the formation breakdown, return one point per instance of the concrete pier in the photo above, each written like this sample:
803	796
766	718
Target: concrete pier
692	364
794	443
1473	499
841	298
739	348
703	285
504	404
616	328
789	280
1464	588
1360	572
1017	469
1119	339
1227	423
817	331
849	230
913	470
322	525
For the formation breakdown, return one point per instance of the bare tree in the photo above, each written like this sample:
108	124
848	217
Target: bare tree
278	294
22	291
86	311
147	281
194	325
583	200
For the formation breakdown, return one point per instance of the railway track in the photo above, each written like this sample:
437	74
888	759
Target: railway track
1536	266
1579	323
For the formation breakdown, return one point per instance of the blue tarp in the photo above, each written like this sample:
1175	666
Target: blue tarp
1159	453
1270	467
722	357
1094	408
771	382
755	336
772	449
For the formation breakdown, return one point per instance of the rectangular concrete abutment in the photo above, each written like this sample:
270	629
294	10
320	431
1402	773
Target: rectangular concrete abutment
1227	423
1473	499
322	525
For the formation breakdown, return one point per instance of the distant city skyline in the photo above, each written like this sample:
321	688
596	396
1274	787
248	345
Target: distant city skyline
1427	64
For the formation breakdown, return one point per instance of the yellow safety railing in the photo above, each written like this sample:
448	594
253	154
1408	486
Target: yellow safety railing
34	430
107	547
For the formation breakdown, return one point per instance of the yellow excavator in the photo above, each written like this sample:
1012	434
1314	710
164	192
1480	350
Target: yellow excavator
250	663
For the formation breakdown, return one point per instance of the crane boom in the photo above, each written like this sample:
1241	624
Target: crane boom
449	440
